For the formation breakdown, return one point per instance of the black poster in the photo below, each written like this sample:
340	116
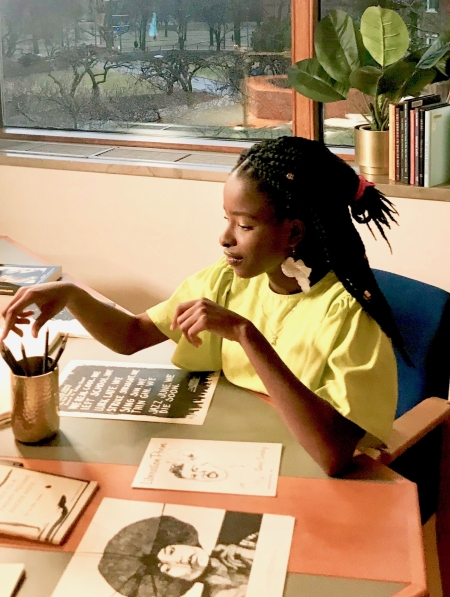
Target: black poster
136	392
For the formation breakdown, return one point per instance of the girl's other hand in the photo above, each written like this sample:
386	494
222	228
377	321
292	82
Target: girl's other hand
202	315
50	298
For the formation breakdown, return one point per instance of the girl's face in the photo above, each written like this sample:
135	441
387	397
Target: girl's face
254	241
187	562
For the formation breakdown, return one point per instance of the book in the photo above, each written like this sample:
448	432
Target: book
41	506
437	146
10	576
136	392
391	141
156	549
398	142
421	138
411	106
412	146
404	152
406	106
247	468
13	277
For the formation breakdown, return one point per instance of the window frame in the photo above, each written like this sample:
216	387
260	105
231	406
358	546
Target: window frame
305	117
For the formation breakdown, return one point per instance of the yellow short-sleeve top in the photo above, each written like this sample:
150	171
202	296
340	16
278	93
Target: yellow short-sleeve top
324	337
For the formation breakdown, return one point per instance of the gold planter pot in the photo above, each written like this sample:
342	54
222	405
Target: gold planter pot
371	151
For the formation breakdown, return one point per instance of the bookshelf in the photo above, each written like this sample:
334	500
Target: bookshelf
397	189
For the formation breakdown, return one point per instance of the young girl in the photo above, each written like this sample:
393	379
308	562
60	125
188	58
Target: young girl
292	310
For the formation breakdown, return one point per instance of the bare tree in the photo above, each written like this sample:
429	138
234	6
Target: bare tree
90	61
13	13
141	12
217	14
181	12
174	69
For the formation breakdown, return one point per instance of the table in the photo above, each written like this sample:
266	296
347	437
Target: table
355	536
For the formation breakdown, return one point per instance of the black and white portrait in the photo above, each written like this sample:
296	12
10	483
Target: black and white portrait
144	549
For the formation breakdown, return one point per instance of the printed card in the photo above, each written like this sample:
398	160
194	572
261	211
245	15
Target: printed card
136	392
159	550
245	468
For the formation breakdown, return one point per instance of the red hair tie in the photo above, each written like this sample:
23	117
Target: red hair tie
363	184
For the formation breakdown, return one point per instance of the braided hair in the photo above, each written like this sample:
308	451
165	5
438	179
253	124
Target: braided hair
302	179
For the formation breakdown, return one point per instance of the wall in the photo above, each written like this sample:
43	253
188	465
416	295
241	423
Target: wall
131	238
135	238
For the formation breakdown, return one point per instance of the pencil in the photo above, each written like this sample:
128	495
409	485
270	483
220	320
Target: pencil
44	364
59	353
26	364
10	360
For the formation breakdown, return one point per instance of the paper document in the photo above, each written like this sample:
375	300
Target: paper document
157	550
136	392
246	468
10	576
40	506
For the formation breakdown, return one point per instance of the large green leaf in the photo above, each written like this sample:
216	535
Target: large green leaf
366	79
338	45
311	80
384	34
394	79
436	51
419	80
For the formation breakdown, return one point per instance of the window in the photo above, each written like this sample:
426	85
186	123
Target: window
166	69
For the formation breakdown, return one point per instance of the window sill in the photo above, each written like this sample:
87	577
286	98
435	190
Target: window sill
111	159
162	163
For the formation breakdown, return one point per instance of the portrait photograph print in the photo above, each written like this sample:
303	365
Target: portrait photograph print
145	549
136	392
247	468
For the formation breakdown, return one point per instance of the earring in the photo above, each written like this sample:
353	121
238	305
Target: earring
297	269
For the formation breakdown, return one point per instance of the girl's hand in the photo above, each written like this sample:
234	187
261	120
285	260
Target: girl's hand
50	298
202	315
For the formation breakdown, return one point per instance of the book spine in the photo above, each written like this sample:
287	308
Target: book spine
405	144
416	148
391	141
426	149
398	110
421	145
412	145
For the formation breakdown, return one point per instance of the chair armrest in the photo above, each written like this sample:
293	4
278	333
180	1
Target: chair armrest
413	426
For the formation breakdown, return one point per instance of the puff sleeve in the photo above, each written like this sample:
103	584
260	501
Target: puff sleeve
212	283
359	377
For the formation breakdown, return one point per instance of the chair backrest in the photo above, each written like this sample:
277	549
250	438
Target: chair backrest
422	314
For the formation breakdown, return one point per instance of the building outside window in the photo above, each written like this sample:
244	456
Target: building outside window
191	69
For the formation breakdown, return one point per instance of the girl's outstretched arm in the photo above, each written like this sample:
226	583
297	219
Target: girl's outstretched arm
117	329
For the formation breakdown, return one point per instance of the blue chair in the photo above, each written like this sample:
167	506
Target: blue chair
419	447
422	314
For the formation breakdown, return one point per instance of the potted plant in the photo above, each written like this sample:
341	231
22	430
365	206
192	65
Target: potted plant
374	60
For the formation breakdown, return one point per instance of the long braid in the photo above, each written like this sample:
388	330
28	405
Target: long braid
303	179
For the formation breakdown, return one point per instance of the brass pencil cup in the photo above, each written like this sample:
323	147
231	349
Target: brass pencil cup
35	403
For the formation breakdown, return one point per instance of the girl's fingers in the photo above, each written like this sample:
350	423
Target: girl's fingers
191	327
179	312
